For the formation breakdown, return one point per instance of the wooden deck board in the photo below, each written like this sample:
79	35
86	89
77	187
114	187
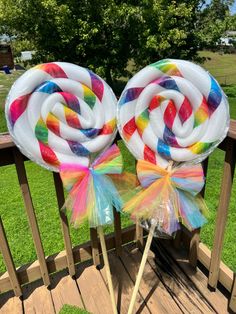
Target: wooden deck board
64	290
10	304
169	285
93	289
37	299
123	286
217	300
151	288
177	283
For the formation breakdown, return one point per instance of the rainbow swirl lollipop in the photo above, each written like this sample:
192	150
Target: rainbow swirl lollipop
61	113
171	114
172	110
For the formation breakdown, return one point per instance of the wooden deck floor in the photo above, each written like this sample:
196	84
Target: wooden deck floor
169	285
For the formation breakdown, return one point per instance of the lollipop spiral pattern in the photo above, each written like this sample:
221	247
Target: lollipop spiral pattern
61	113
172	110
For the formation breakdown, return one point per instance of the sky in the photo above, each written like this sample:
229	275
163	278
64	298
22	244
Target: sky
233	8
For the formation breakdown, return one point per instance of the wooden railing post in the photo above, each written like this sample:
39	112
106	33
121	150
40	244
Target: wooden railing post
94	246
20	168
195	240
64	223
177	239
193	247
139	235
226	187
117	220
6	253
232	302
117	226
139	230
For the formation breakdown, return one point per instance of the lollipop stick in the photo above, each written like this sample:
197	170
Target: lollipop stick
107	268
141	268
144	259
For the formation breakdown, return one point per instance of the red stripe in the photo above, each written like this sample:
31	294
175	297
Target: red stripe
185	110
155	102
169	114
69	98
48	155
204	106
149	155
54	70
97	86
17	107
129	128
53	125
73	121
107	129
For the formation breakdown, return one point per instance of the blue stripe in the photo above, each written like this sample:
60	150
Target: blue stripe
130	94
163	149
78	149
90	132
48	87
170	138
75	106
215	96
168	83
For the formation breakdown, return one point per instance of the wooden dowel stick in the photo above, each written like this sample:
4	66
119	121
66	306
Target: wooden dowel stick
144	258
107	268
141	268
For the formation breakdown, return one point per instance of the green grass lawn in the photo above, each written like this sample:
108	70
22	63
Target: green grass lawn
221	66
44	199
6	82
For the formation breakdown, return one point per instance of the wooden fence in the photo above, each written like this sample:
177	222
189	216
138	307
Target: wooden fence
14	278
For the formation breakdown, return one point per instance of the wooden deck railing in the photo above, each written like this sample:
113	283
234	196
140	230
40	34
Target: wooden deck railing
44	266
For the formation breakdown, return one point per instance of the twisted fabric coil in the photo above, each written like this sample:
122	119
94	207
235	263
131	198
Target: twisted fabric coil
61	113
172	110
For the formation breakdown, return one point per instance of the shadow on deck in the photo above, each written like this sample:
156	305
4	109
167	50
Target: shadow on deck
169	285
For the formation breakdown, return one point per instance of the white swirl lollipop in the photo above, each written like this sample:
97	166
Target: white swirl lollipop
172	110
61	113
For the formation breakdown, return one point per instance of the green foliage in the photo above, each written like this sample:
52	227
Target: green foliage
232	22
102	39
21	45
212	22
104	35
68	309
168	31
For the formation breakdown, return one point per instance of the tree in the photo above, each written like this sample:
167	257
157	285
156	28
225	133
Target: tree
105	35
232	22
212	22
169	31
97	34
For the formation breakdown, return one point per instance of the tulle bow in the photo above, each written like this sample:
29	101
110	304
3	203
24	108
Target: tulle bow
92	193
169	196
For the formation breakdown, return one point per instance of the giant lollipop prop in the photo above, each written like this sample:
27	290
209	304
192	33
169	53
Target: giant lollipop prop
171	115
60	115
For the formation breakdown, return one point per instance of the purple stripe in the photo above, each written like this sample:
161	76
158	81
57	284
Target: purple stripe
130	94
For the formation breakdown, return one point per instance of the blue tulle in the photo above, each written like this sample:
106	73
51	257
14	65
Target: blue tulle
107	197
190	208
